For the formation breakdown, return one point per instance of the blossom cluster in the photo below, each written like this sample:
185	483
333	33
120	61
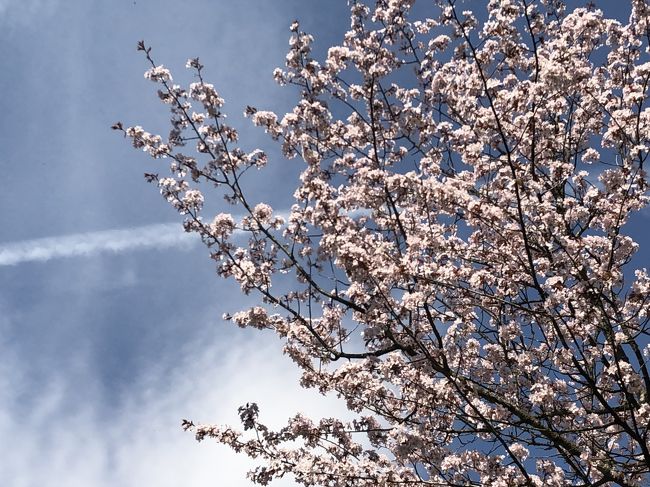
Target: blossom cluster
457	266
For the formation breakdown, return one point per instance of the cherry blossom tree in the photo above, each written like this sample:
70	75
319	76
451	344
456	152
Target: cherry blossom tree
455	265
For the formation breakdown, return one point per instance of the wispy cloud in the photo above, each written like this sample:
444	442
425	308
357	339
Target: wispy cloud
59	443
164	235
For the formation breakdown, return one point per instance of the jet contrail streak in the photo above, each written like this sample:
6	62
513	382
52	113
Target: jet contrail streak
163	235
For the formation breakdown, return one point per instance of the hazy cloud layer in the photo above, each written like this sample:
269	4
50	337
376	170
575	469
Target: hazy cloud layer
21	11
59	444
104	351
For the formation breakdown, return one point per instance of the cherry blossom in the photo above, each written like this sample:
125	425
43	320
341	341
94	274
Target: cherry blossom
457	265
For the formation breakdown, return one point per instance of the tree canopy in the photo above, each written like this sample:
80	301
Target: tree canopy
455	265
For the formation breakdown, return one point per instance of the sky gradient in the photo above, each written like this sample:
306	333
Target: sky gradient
110	316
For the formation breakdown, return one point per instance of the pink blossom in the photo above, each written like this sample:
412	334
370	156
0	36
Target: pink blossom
457	265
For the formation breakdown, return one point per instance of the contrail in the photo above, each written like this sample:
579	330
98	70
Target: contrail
163	235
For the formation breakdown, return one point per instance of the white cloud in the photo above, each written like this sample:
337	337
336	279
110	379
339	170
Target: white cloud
164	235
141	443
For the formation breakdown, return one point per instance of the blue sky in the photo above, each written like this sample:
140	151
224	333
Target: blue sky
110	328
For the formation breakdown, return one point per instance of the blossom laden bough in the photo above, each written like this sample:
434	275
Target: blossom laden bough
458	244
